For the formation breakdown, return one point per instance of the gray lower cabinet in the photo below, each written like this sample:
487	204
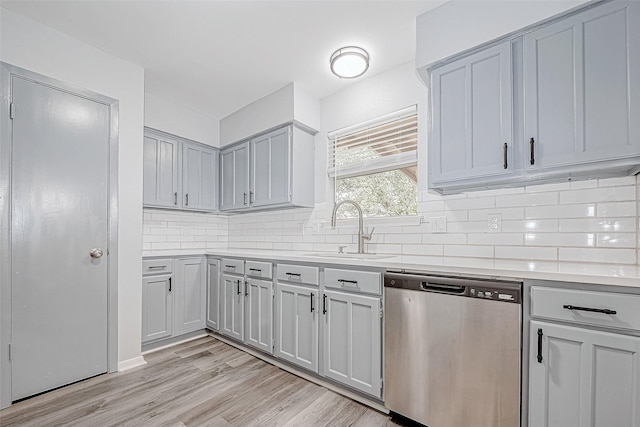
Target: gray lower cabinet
189	295
583	377
157	307
213	294
352	341
259	314
297	325
232	306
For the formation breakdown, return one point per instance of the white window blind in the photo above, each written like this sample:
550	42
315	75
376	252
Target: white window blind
383	144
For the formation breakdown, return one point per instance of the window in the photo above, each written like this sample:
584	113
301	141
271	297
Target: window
375	165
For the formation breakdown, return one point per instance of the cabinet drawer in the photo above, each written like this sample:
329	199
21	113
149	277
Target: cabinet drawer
351	280
259	269
298	274
233	266
575	306
157	266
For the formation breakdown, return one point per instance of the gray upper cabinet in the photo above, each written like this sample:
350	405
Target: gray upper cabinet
234	177
472	117
160	170
178	173
557	102
271	178
190	295
274	169
199	177
582	90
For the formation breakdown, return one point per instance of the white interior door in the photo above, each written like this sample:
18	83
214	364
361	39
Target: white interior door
59	201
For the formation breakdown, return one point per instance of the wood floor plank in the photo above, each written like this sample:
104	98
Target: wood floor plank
203	382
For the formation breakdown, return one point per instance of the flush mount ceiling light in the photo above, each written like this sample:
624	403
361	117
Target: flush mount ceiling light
349	62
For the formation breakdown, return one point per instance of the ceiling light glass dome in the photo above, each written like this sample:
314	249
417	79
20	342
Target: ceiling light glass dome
349	62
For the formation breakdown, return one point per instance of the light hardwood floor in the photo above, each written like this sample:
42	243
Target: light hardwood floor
204	382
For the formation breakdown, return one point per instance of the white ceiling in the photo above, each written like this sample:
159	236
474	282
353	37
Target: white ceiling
218	56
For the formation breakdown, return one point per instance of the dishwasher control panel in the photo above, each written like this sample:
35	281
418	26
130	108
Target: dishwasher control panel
490	293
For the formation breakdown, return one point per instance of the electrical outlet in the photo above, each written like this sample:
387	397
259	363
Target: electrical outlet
438	224
494	223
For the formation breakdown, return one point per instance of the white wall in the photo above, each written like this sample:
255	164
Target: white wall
284	105
30	45
459	25
264	113
180	119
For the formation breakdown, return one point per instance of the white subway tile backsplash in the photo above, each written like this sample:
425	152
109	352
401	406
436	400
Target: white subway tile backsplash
610	256
606	194
583	222
527	253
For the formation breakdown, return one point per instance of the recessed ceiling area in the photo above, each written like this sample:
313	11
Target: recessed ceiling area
217	56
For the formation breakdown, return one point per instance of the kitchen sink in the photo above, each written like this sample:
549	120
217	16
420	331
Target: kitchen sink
348	255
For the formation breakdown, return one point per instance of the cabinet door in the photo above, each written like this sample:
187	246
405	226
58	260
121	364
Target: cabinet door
234	181
199	177
271	168
232	306
472	117
585	378
581	90
157	307
297	325
160	171
351	341
190	295
213	294
259	314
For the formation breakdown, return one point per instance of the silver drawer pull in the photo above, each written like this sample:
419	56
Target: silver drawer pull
293	274
157	267
255	269
230	266
352	282
593	310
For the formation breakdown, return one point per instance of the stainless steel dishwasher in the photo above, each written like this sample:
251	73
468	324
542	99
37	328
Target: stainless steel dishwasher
452	350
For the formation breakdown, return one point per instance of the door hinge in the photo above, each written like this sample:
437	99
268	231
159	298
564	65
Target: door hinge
381	383
381	312
12	110
273	344
10	355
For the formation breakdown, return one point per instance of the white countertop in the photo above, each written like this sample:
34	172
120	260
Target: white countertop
592	273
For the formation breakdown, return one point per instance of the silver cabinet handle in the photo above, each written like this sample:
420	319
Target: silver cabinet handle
252	199
169	284
187	197
244	200
175	198
96	253
157	267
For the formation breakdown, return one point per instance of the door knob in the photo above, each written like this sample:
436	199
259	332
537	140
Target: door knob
96	253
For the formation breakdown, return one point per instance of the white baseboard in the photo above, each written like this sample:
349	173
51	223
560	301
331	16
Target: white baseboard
125	365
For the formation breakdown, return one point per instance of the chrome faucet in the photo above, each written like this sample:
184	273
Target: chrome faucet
361	235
